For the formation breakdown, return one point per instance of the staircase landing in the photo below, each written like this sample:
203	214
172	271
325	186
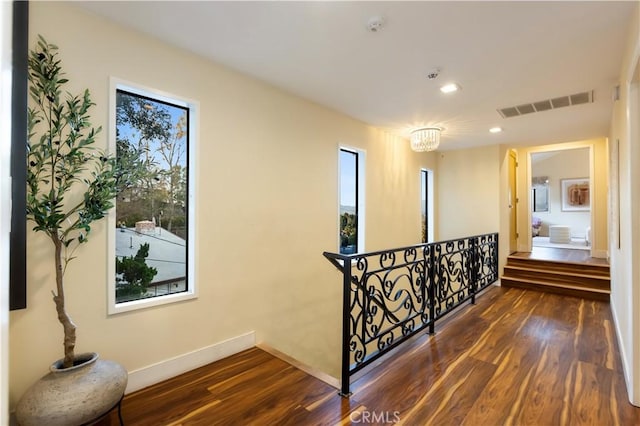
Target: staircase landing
560	271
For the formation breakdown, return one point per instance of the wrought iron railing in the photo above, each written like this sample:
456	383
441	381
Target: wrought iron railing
390	295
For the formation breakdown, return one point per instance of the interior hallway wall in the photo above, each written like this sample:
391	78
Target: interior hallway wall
468	188
473	194
624	152
267	207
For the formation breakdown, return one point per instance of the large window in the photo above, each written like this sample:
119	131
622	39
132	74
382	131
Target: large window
351	233
154	209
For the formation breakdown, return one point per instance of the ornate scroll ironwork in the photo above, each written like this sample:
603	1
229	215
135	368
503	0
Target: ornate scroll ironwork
392	294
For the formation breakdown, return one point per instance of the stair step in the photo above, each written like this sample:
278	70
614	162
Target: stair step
558	288
587	280
568	273
559	277
548	265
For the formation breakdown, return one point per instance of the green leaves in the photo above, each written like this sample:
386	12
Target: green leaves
136	274
70	184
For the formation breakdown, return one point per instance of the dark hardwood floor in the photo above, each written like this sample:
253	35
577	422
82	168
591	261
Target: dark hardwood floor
517	357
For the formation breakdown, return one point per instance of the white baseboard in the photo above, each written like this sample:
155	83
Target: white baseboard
320	375
172	367
626	368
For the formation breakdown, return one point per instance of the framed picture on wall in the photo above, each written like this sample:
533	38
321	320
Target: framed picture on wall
575	194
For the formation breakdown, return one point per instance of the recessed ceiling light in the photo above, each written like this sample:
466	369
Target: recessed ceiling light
449	88
495	129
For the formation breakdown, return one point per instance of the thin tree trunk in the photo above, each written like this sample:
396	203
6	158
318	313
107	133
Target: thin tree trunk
170	225
68	325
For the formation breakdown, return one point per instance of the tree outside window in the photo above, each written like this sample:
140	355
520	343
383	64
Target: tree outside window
152	138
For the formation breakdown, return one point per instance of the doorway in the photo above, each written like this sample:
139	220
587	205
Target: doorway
513	203
560	199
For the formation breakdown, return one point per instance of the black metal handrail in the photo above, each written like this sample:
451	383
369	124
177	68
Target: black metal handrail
390	295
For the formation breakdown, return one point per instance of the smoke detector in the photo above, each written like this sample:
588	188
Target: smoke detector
433	74
375	24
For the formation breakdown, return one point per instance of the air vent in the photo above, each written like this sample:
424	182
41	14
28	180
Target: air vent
525	109
580	98
542	105
547	104
509	112
560	102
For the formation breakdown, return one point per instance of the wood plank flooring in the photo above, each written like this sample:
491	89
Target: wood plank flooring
517	357
561	271
561	255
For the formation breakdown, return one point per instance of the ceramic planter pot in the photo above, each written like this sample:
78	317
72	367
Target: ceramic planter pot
75	395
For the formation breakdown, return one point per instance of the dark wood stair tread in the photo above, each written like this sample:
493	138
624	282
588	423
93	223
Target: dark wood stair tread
553	264
558	285
589	280
563	272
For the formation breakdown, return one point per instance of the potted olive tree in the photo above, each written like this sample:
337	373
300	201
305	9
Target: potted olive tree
70	185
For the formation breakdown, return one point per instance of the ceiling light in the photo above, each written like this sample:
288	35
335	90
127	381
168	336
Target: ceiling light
450	88
495	129
425	139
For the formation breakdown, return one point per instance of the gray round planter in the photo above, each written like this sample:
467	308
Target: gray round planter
75	395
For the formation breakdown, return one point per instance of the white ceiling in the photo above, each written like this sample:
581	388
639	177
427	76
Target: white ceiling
502	54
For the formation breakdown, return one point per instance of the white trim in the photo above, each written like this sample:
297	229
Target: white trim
593	196
626	368
194	133
6	14
163	370
362	197
633	138
361	201
318	374
430	204
139	89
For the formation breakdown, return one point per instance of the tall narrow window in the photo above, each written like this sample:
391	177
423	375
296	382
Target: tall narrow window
153	238
423	203
426	205
348	201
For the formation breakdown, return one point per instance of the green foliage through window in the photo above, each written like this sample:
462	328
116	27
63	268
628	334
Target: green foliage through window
135	274
348	201
152	138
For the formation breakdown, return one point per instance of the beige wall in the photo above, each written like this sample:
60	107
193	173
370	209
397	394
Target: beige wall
599	190
267	209
468	184
472	195
625	211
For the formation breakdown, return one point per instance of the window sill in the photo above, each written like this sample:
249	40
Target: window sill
149	302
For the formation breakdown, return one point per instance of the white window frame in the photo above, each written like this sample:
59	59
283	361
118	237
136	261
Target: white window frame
430	209
192	283
361	201
6	74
